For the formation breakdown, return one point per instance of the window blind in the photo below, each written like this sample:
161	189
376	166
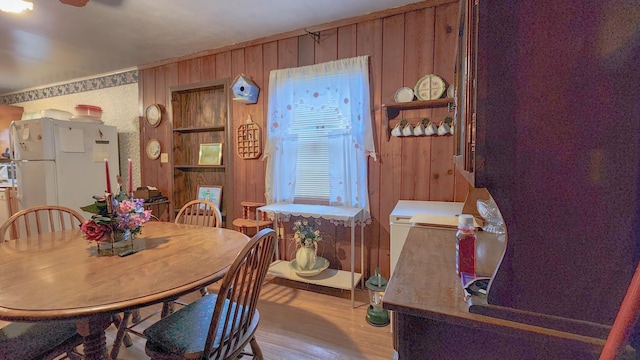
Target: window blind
312	164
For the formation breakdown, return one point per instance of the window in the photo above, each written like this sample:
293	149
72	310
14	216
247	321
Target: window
319	134
312	163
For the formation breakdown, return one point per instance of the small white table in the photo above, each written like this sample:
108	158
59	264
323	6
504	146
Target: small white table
336	215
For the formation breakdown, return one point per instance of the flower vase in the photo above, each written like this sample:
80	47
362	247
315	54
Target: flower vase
117	241
306	257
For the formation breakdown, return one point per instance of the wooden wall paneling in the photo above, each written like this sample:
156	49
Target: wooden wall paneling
150	168
171	79
196	70
306	50
224	71
223	66
327	49
288	53
184	72
269	62
163	133
347	45
418	61
446	25
369	42
255	169
240	112
408	54
145	167
390	149
208	66
180	152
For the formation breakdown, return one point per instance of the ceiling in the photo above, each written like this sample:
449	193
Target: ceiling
56	42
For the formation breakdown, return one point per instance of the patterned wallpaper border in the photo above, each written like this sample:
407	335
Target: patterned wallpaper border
74	87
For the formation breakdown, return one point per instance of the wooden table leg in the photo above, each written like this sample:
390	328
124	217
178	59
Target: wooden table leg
92	330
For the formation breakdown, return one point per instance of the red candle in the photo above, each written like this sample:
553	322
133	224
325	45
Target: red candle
106	169
130	178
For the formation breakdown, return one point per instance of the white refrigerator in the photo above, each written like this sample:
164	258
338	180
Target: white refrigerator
61	162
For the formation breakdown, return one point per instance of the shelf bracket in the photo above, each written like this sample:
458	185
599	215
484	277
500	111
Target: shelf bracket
314	35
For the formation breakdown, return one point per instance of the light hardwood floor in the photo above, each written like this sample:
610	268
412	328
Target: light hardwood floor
296	323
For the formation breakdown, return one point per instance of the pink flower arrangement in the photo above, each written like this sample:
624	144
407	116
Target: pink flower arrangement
128	216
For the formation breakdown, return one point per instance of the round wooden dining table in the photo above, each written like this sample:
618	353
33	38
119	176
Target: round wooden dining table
60	275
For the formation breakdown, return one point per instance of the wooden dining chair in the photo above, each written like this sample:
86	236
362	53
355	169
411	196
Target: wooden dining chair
219	326
38	220
199	212
195	212
47	339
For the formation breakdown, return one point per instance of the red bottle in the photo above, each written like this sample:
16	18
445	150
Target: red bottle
466	246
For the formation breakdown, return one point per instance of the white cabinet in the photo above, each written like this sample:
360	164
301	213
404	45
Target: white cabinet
400	220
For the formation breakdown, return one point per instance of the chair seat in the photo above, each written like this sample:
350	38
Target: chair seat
26	341
184	332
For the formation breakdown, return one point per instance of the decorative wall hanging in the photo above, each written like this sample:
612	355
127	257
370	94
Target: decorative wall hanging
211	193
210	154
244	90
153	115
249	140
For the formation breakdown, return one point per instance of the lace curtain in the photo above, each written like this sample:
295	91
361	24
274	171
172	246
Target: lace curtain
337	94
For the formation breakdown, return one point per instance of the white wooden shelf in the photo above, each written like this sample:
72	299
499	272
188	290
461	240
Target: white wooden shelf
337	215
338	279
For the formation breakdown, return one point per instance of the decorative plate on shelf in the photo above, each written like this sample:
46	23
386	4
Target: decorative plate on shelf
403	95
321	265
429	87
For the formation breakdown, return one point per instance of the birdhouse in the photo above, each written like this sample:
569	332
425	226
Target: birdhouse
245	90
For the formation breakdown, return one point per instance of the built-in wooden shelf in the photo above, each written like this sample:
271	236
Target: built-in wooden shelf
187	167
393	110
199	129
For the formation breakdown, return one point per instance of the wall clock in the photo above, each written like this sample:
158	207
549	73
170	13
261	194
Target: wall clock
153	149
153	115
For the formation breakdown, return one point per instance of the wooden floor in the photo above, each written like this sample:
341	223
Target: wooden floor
296	323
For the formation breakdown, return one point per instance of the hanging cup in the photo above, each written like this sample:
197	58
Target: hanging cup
444	129
431	129
419	130
407	130
397	130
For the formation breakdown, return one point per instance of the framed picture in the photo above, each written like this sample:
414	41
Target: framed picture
211	193
210	154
